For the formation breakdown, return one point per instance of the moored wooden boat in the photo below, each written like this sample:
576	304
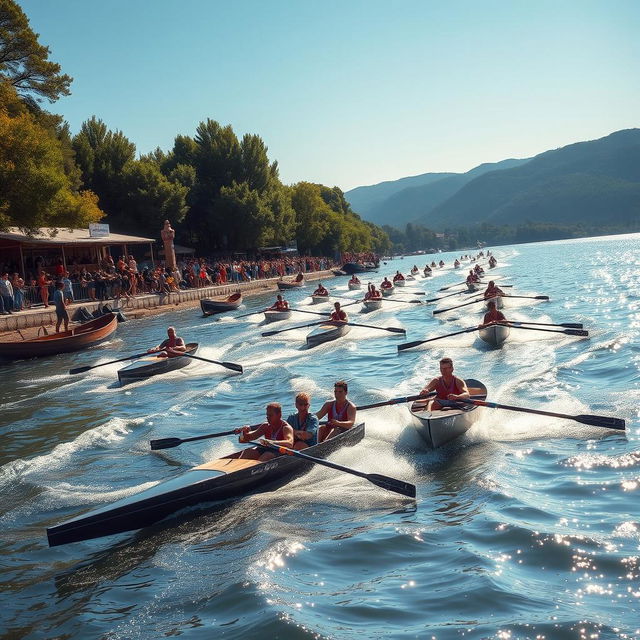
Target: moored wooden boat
439	427
214	481
372	305
273	315
327	332
209	306
153	365
283	286
82	336
495	334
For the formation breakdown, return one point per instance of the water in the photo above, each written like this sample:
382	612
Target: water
526	527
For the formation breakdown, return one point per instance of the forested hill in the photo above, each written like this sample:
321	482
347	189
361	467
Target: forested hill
595	182
408	199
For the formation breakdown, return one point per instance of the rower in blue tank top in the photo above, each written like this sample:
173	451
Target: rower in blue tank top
341	413
304	423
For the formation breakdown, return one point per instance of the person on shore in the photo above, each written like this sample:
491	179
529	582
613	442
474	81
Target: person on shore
447	387
67	288
341	413
492	316
43	285
275	431
6	292
61	307
304	423
279	305
172	346
338	314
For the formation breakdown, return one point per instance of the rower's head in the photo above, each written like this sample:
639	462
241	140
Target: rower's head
171	331
340	390
279	297
303	401
492	283
336	306
446	366
274	412
491	305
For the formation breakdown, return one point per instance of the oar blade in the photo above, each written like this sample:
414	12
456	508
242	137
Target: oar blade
391	484
576	332
602	421
395	330
79	370
572	325
165	443
410	345
233	366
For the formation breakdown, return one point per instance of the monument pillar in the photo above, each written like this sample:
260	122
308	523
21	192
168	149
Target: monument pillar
168	234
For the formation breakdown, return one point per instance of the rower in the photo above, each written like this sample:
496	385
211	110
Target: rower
279	305
427	269
339	315
398	277
304	424
447	387
492	316
492	262
492	291
299	277
173	346
354	279
456	263
341	413
372	293
472	278
274	431
320	291
433	264
441	264
386	284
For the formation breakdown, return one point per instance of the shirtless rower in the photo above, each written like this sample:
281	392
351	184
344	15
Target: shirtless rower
492	316
354	279
338	314
398	277
321	291
492	291
386	284
279	305
171	347
274	431
372	293
341	413
447	386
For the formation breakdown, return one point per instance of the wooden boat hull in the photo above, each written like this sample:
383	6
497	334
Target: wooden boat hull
284	286
83	336
273	315
319	299
495	335
437	428
387	291
209	307
153	365
372	305
326	333
219	480
399	283
355	285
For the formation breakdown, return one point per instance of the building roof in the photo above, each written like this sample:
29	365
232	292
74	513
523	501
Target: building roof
50	235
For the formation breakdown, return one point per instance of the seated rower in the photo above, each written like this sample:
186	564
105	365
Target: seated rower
492	316
456	263
341	413
441	263
372	293
172	347
304	424
338	314
398	277
299	277
472	278
354	279
427	269
321	291
433	264
279	305
274	431
447	387
386	284
492	291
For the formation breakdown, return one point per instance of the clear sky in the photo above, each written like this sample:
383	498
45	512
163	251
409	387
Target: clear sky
352	92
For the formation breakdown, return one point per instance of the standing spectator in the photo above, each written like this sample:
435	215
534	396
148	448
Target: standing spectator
6	291
18	292
43	284
61	307
68	288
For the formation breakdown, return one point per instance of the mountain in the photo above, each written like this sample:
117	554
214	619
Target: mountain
407	199
587	182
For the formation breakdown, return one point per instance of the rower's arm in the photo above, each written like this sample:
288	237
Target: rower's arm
430	387
461	384
287	441
252	435
323	412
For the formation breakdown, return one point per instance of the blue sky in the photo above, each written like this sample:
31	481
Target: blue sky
352	92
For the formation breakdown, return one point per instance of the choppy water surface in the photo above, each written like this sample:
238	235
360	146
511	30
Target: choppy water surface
526	527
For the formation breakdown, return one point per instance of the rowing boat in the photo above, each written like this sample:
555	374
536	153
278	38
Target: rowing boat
427	274
153	365
498	300
327	332
387	291
317	298
372	305
439	427
214	481
495	334
209	307
82	336
399	283
283	286
273	315
410	277
354	285
472	286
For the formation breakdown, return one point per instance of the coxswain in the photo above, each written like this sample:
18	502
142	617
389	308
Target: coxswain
320	291
279	305
492	291
386	283
339	315
447	387
492	316
341	413
171	347
398	277
275	431
373	293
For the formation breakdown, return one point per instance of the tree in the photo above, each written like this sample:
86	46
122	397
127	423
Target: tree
24	61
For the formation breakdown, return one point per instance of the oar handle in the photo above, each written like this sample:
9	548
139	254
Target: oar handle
104	364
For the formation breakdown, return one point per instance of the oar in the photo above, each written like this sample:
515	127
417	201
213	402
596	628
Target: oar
452	285
315	313
301	326
169	443
104	364
568	332
411	293
457	293
227	365
371	326
437	311
594	421
568	325
390	484
415	343
487	300
402	301
384	403
246	315
527	297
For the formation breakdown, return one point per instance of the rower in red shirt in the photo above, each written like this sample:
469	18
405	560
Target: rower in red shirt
341	413
274	431
492	316
279	305
398	276
339	315
447	386
386	284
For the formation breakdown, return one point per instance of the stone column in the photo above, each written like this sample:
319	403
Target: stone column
168	234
